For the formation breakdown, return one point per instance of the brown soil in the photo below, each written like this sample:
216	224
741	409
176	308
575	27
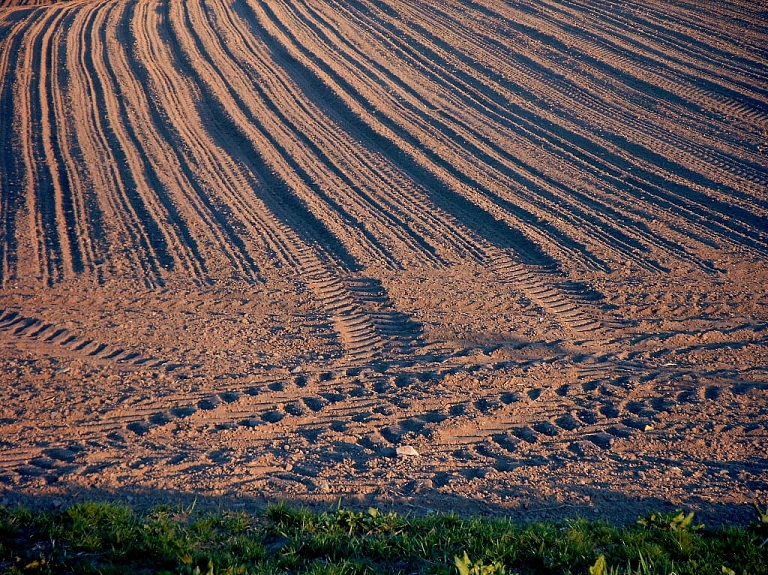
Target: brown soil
248	249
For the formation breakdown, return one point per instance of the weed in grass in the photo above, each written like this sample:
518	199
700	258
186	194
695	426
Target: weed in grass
199	567
467	567
677	522
600	567
644	567
761	525
676	527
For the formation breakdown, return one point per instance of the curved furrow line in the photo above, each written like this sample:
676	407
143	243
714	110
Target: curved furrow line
290	219
718	159
337	156
642	46
379	154
681	35
387	138
621	184
444	183
654	178
499	171
739	25
214	240
564	214
458	144
82	216
161	211
12	173
372	130
220	154
296	101
141	214
222	182
127	245
90	141
56	186
549	78
550	302
559	203
677	45
39	232
72	216
610	56
234	135
46	182
720	152
290	157
683	186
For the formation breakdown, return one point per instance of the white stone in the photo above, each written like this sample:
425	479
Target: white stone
407	451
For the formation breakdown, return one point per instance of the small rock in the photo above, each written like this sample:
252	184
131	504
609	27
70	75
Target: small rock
407	451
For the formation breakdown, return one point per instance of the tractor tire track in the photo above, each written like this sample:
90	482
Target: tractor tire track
355	179
357	331
36	330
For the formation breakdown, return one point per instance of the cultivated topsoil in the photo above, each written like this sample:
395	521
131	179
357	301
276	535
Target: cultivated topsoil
486	257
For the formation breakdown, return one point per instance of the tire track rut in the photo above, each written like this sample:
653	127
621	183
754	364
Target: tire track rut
34	329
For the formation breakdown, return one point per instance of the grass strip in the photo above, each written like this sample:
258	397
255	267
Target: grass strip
107	538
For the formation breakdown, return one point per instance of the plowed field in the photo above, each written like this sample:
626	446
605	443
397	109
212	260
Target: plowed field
249	248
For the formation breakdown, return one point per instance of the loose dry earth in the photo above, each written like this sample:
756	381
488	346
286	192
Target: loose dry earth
249	248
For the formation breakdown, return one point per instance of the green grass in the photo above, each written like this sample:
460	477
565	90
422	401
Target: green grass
107	538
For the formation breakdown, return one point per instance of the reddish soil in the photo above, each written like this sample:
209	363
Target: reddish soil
248	249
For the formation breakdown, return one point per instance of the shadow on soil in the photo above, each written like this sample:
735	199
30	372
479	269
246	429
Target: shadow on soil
525	507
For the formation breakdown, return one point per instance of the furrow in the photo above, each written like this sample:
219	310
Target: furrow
57	153
287	159
161	215
12	174
34	244
206	231
355	178
502	177
310	267
225	184
621	184
126	245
